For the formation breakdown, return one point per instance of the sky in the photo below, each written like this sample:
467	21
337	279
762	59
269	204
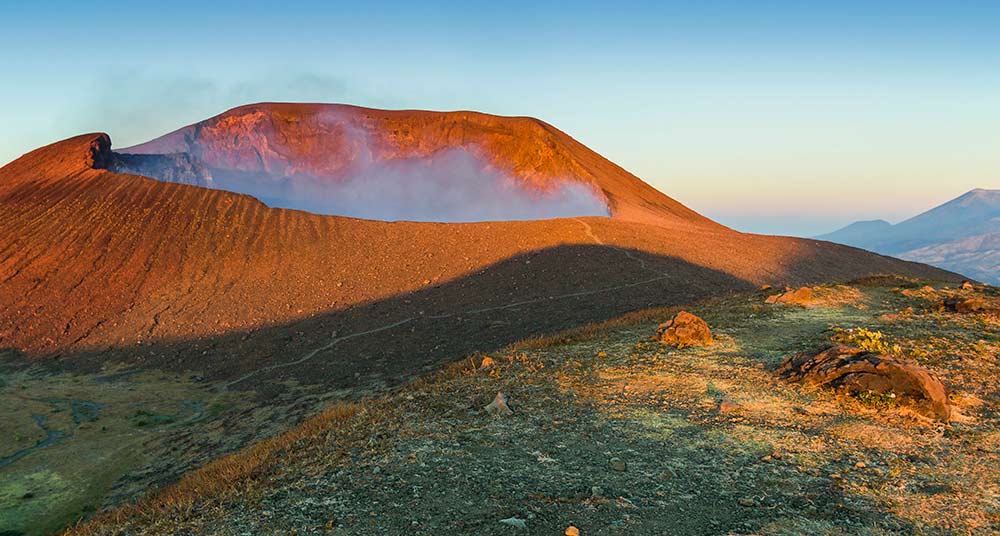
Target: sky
773	117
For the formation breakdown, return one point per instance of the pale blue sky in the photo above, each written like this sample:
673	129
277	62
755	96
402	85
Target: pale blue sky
788	117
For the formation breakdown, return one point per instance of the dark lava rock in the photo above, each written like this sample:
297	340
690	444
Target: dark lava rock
180	167
176	167
855	371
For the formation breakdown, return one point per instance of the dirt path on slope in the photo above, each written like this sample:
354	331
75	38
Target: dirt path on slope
588	231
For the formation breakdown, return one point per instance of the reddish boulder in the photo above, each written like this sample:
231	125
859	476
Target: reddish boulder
802	296
856	371
684	330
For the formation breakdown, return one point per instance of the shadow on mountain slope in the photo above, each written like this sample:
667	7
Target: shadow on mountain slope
387	341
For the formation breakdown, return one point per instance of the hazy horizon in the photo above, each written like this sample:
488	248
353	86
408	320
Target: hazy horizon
786	119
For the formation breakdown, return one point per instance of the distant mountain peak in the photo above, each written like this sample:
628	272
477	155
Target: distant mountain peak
940	234
981	194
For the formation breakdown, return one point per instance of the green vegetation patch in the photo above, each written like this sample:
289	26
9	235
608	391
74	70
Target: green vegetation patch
29	496
877	400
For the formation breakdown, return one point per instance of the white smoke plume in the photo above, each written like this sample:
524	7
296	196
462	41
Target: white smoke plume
450	186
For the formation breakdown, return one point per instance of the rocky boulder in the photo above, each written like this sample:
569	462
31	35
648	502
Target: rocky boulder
856	371
801	296
959	304
684	330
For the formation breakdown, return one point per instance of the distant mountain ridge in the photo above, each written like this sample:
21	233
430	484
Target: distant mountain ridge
961	235
857	232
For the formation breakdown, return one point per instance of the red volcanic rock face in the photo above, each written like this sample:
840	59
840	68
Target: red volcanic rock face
325	140
333	160
315	145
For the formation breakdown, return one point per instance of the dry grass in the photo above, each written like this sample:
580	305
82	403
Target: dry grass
594	330
886	280
229	477
839	295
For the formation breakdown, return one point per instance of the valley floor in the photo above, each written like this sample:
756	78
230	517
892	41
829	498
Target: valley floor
614	433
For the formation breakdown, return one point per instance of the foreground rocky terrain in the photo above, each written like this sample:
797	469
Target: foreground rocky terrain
614	432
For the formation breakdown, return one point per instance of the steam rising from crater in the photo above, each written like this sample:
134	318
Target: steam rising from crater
450	186
335	162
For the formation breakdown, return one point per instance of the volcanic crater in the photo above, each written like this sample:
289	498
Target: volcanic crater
345	161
